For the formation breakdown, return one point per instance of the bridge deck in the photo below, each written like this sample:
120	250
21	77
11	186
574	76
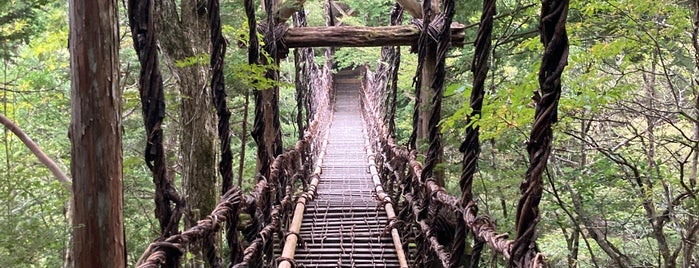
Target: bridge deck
344	226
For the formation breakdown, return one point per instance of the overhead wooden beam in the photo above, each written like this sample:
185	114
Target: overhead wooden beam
360	36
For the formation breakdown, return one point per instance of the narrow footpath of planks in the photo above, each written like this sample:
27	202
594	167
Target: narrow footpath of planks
344	226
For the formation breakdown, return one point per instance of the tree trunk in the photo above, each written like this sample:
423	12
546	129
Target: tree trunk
267	130
184	42
690	239
426	94
95	133
427	109
656	220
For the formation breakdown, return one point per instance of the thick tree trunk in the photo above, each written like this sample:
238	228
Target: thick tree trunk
428	107
95	133
184	41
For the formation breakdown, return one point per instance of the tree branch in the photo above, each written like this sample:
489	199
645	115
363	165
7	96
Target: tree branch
47	161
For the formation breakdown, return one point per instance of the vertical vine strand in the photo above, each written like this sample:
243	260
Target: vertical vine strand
299	20
225	166
218	88
470	147
143	33
555	40
422	46
396	19
253	59
435	136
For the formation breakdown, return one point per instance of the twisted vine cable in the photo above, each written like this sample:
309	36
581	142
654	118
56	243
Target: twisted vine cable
422	45
396	19
152	96
555	40
470	147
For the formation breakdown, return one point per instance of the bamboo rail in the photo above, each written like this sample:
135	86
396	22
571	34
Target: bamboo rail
384	199
292	237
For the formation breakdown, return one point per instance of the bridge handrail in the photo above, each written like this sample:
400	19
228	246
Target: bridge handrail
394	157
286	170
310	149
322	82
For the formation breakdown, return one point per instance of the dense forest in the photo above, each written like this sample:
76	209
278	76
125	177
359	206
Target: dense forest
621	182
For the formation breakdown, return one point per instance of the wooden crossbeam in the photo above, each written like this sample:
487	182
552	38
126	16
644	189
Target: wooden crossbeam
361	36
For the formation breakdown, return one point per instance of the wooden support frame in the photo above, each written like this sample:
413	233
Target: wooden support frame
360	36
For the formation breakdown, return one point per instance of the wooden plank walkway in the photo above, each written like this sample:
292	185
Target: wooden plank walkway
344	226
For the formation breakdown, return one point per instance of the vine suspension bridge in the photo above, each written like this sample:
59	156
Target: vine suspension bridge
346	195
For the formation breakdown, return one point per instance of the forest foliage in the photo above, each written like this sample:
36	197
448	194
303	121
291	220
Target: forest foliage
621	184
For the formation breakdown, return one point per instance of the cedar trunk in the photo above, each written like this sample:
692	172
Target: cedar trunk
184	39
95	133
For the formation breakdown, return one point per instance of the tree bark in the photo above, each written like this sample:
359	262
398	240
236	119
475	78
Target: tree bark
428	133
184	41
95	134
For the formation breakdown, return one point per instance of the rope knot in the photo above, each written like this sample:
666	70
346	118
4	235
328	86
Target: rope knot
274	40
